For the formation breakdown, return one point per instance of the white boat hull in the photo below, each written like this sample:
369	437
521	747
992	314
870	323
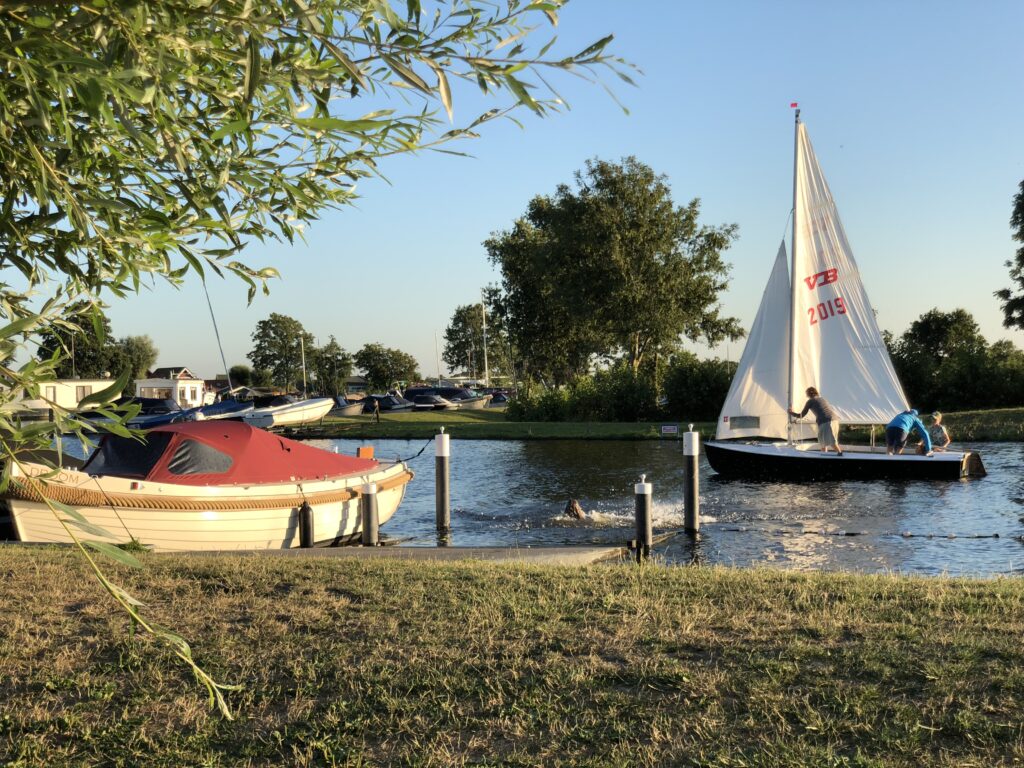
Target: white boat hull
189	518
302	412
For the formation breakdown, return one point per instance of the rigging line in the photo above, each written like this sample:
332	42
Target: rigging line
216	332
110	504
785	229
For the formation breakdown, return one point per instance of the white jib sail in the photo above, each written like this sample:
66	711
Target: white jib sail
757	400
839	349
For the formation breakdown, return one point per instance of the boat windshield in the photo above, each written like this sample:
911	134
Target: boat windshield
126	456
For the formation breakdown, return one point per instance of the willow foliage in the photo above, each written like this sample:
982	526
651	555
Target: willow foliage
146	140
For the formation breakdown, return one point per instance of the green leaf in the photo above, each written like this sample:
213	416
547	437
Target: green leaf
406	74
19	326
113	552
252	68
442	87
337	124
230	129
88	527
109	393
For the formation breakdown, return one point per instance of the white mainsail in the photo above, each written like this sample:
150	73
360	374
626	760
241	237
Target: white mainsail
837	345
838	348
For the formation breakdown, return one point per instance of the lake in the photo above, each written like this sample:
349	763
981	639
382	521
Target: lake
512	493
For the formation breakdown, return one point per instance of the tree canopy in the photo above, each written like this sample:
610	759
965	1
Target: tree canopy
278	345
611	267
384	366
944	362
1013	297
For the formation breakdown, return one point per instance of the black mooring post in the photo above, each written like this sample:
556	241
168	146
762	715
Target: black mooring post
442	492
368	515
644	530
305	525
691	493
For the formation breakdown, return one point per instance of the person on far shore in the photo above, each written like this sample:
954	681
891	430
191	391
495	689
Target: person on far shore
828	424
937	432
898	430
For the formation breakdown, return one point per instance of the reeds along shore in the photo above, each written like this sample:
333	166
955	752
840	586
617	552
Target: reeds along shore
397	663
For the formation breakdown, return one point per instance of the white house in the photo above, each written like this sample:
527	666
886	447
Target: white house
67	393
177	383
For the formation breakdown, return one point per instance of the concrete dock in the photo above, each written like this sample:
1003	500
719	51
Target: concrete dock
528	555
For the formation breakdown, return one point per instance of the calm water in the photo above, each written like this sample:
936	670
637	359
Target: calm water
513	494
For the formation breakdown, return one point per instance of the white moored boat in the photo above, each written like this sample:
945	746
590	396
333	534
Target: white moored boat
289	412
208	485
816	328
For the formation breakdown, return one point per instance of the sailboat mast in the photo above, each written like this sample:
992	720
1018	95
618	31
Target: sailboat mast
792	276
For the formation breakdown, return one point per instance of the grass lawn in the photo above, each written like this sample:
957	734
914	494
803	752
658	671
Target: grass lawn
966	426
489	424
400	663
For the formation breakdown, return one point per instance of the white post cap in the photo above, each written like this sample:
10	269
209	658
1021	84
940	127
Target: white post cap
442	448
369	489
691	443
643	488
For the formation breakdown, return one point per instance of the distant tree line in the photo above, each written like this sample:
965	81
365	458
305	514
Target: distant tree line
279	343
945	363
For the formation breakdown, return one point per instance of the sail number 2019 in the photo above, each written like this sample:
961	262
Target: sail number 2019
825	310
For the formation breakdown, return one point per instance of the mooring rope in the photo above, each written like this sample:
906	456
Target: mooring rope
406	461
901	534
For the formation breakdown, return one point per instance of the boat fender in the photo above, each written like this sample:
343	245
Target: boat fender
305	525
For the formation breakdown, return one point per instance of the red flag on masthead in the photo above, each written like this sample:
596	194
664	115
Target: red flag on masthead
792	104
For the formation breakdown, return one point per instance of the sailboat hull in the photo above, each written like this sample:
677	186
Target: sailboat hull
783	462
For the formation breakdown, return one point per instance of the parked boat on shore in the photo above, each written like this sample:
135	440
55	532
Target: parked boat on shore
286	411
464	397
207	485
346	407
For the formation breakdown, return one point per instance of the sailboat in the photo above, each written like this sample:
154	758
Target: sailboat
815	327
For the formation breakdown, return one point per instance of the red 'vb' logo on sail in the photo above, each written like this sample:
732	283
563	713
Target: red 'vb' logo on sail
822	278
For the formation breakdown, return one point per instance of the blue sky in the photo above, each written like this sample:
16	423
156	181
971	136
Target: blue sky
915	109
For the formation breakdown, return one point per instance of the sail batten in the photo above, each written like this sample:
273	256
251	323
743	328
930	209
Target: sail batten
821	313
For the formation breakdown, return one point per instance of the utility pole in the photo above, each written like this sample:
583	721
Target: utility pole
302	346
483	314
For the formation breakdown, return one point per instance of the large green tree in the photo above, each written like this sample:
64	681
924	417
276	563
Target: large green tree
1013	298
941	360
384	366
80	352
278	344
611	267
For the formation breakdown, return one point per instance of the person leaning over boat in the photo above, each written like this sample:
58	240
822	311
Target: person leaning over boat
828	424
898	430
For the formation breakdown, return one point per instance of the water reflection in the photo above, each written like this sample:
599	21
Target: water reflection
513	493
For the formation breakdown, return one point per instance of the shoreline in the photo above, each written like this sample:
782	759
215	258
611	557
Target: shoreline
1000	425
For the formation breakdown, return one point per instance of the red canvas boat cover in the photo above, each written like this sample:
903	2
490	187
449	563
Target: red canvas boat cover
219	453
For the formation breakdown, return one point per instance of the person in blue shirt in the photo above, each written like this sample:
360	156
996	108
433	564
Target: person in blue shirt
898	430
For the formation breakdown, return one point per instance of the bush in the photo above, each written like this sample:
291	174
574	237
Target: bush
612	395
697	389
